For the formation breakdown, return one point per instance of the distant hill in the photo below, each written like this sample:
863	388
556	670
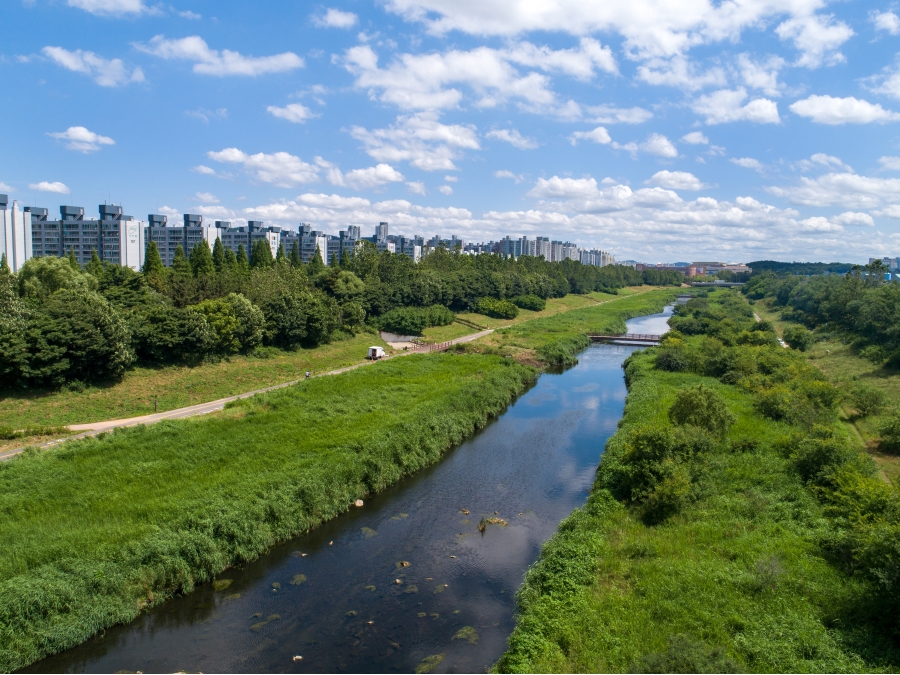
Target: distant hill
799	267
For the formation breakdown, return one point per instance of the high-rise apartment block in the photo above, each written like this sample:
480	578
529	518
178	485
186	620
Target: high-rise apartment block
15	234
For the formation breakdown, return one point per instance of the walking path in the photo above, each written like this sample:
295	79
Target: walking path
96	428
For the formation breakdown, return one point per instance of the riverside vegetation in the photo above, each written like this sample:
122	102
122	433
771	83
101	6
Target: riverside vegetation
734	524
100	528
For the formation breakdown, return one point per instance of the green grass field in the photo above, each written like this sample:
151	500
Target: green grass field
736	582
96	529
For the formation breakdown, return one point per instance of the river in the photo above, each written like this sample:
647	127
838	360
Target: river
408	576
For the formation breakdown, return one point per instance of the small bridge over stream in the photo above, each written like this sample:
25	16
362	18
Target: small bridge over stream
630	338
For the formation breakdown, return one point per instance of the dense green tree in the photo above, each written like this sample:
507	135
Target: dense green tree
40	278
316	264
153	264
230	260
261	256
345	260
242	263
95	265
73	261
13	322
201	260
295	255
174	335
218	256
4	266
181	266
280	256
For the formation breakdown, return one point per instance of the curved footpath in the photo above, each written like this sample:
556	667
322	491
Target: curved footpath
96	428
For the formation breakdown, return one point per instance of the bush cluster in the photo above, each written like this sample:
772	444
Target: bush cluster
498	309
413	320
532	302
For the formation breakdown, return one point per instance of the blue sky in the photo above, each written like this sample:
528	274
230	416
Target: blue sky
661	131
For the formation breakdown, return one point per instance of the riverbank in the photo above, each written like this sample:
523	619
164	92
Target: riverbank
143	391
101	528
751	546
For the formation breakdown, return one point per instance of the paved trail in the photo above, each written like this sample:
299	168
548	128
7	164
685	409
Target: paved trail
212	406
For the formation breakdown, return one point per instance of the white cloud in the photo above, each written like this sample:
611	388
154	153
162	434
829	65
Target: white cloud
6	188
109	7
504	173
292	112
451	179
362	179
564	188
886	21
213	62
889	163
695	138
105	72
433	81
45	186
659	145
607	114
188	14
598	135
446	190
205	170
679	72
853	219
819	224
727	105
676	180
82	139
748	163
820	160
848	110
416	187
280	168
847	190
514	138
817	37
762	76
419	139
335	18
204	115
207	197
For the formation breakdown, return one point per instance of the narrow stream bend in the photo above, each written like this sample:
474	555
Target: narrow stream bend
333	596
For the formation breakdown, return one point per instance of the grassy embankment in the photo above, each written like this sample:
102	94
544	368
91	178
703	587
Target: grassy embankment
98	529
179	386
844	367
756	568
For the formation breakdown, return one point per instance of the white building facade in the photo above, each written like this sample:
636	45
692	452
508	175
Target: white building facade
15	234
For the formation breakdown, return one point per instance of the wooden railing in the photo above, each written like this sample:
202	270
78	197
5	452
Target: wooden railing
631	337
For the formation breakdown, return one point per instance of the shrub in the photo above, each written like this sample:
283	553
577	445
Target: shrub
815	457
672	359
874	353
777	403
890	434
686	655
413	320
668	497
498	309
532	302
798	338
701	407
563	352
866	399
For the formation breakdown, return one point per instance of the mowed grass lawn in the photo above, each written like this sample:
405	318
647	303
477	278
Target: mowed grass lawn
738	577
96	529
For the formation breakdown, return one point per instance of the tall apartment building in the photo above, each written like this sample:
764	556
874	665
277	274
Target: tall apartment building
117	238
15	234
169	237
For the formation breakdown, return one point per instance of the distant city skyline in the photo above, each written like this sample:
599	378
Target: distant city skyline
658	130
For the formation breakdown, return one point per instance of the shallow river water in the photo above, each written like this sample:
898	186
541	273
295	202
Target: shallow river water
333	596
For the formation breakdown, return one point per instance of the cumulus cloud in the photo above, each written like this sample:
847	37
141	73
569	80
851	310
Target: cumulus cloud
445	190
822	161
659	145
281	169
219	63
514	138
848	110
420	139
46	186
727	105
563	188
505	173
854	219
207	197
886	21
293	112
335	18
761	75
361	179
433	81
607	114
205	170
817	37
416	187
847	190
6	188
110	7
105	72
695	138
82	139
748	163
889	163
598	135
676	180
679	72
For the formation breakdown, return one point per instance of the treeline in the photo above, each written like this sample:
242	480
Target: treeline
802	268
859	304
61	325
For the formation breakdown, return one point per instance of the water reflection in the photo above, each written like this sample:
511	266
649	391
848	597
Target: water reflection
357	608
